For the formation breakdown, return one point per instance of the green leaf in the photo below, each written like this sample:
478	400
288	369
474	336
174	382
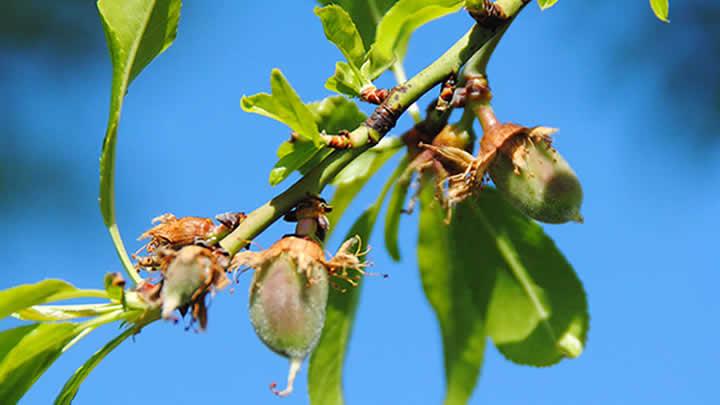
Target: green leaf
137	31
396	27
538	313
26	352
346	80
392	215
51	313
341	31
71	387
493	272
331	114
365	14
458	288
355	176
545	4
661	8
284	105
21	297
293	156
326	363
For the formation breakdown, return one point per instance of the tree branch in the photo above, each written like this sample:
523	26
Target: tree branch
369	133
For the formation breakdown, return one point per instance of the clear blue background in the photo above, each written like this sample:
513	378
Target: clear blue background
647	253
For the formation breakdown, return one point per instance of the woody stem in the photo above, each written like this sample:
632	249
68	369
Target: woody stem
370	132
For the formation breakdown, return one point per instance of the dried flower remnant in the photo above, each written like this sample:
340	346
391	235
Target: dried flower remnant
172	233
447	156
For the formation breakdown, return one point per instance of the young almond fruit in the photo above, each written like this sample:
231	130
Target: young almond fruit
193	272
536	179
288	296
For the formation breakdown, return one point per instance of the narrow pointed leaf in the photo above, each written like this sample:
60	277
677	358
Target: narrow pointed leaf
538	313
661	8
326	363
21	297
26	352
71	387
396	27
51	313
137	31
392	216
458	286
354	177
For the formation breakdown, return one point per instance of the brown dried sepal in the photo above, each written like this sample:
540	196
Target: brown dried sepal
499	138
346	263
173	232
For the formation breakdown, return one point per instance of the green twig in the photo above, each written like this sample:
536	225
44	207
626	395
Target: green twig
382	120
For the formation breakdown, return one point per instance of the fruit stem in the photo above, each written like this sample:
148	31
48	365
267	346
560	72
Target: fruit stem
485	114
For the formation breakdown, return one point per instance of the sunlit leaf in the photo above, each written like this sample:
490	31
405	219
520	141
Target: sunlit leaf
326	363
21	297
137	31
458	286
50	313
392	216
365	13
346	80
341	31
71	387
493	272
293	156
26	352
331	115
284	105
538	313
396	27
661	8
545	4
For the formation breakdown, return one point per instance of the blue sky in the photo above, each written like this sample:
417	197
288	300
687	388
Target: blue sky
645	254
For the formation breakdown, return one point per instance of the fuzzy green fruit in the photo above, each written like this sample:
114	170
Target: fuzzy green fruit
538	181
287	305
186	276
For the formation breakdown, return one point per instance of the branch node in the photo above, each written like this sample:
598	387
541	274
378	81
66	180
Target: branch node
373	95
340	141
382	120
489	15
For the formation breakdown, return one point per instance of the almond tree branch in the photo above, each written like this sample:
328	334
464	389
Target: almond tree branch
372	130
